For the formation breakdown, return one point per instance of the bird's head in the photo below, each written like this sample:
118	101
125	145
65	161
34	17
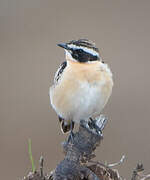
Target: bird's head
81	50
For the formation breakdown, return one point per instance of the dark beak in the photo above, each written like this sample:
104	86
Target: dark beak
63	45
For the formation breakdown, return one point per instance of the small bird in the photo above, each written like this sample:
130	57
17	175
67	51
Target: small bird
82	84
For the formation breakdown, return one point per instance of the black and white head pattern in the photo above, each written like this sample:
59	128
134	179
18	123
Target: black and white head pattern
82	50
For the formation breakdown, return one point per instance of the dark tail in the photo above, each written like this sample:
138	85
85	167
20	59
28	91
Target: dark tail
66	126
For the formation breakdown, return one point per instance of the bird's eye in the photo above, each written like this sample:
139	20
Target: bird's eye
80	50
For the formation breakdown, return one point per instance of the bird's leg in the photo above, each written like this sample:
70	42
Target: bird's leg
92	124
71	129
71	135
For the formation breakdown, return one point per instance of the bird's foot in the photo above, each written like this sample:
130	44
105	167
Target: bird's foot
71	137
92	124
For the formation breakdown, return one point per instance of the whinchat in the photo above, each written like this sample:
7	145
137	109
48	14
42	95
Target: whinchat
82	84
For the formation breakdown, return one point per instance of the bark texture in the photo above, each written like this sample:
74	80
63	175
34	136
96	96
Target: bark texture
79	151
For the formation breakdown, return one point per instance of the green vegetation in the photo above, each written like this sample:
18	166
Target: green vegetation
30	155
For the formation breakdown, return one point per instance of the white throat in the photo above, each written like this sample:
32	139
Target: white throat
68	56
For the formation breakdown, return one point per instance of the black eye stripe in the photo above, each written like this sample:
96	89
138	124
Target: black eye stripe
83	56
80	51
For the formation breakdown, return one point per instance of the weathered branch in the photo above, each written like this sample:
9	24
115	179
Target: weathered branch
79	152
138	173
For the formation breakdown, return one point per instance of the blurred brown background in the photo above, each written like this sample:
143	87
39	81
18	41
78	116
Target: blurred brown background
29	57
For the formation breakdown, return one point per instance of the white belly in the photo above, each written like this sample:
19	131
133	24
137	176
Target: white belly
87	101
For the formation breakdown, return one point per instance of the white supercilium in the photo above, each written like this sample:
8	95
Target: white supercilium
88	50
